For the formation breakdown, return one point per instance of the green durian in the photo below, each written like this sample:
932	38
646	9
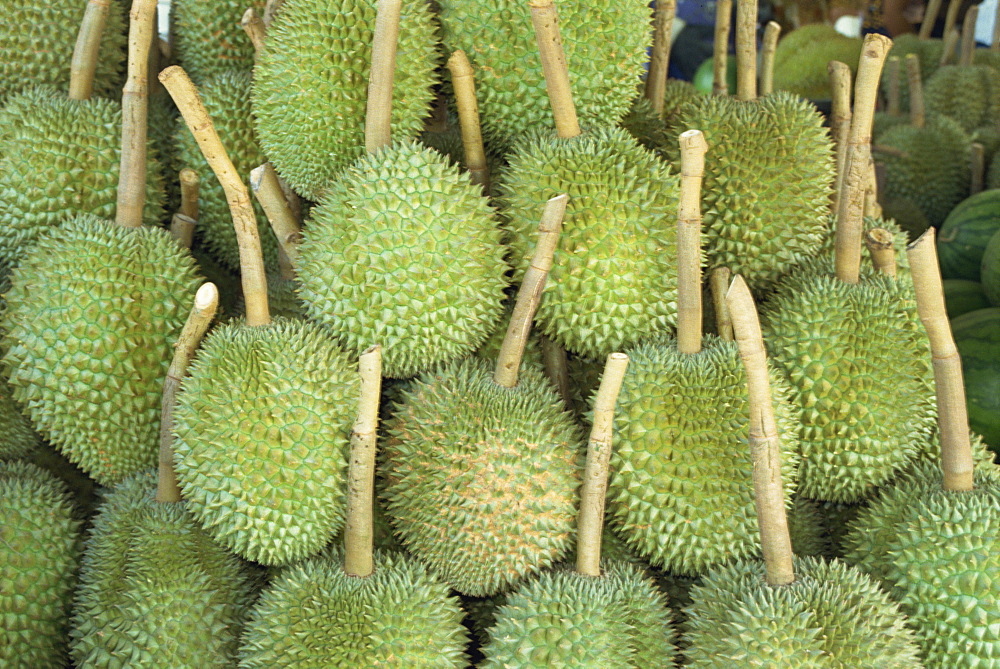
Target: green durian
207	38
19	438
928	52
489	350
969	94
657	131
800	61
993	173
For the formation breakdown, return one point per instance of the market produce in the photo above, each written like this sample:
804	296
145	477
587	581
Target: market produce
207	39
989	271
964	234
977	336
802	56
962	296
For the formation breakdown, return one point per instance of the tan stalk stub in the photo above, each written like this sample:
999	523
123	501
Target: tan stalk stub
83	67
529	295
879	243
590	522
689	309
893	104
995	43
464	83
746	50
768	50
719	280
267	189
765	444
930	18
546	24
720	46
951	40
872	208
840	120
659	60
969	36
556	368
253	277
190	184
182	229
951	17
978	168
255	29
206	301
918	116
378	133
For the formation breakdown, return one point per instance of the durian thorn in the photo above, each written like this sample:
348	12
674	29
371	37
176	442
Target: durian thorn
206	302
768	51
916	85
840	120
359	529
978	168
554	67
593	492
719	280
556	367
182	229
890	151
883	253
267	189
83	67
253	26
270	10
464	82
951	19
746	50
969	36
930	18
953	418
190	183
893	104
378	112
720	46
659	61
253	277
951	40
689	309
529	295
764	439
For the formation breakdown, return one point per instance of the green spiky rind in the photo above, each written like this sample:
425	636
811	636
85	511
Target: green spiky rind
584	379
481	480
154	588
40	545
806	528
91	322
802	67
261	429
605	46
769	174
854	355
989	137
315	615
37	42
404	251
928	53
969	95
226	96
884	121
85	491
65	161
614	281
207	38
481	614
449	144
681	487
489	350
655	131
19	438
825	260
565	619
993	173
309	105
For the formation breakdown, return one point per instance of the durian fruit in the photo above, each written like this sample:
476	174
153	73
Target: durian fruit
892	115
19	438
928	52
800	64
39	558
207	40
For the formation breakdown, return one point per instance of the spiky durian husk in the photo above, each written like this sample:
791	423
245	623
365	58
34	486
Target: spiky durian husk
404	252
993	173
261	430
37	39
155	590
39	557
207	38
681	489
605	45
91	321
19	439
807	530
928	53
824	260
315	615
833	615
655	131
311	85
800	62
226	96
565	619
968	94
481	480
885	121
768	179
60	161
489	350
614	281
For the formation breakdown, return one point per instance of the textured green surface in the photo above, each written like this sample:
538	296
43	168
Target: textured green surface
207	38
19	438
989	271
977	336
965	233
961	296
800	61
928	53
968	94
404	252
91	321
656	132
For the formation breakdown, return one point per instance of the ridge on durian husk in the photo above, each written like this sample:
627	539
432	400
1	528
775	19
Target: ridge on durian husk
481	480
614	281
261	431
155	590
315	615
93	314
207	39
564	619
404	252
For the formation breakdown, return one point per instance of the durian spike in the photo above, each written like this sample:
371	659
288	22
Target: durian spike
253	26
88	43
840	120
135	105
529	295
930	18
554	67
252	275
953	417
769	48
951	18
659	61
872	208
267	189
968	36
556	368
951	39
270	9
746	50
720	47
378	112
893	106
590	522
977	182
206	301
879	243
851	204
918	116
359	530
719	280
689	311
182	229
764	440
464	82
190	183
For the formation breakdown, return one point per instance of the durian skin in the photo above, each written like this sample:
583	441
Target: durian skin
564	619
314	615
19	439
614	281
40	545
833	616
681	489
968	94
261	430
800	65
91	321
480	480
207	38
311	85
404	252
155	590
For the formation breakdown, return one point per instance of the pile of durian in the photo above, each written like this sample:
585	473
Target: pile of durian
357	334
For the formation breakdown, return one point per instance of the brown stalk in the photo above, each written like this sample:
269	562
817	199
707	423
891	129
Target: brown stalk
951	17
88	43
879	243
189	192
689	310
930	18
893	106
719	281
359	530
590	522
978	181
554	67
765	444
270	9
659	61
182	229
254	27
746	50
918	115
556	368
840	119
951	39
953	420
769	48
267	189
872	208
968	36
464	82
206	301
253	278
529	295
995	43
720	46
378	112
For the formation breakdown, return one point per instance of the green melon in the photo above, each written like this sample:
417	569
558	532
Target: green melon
962	296
977	335
989	270
964	234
